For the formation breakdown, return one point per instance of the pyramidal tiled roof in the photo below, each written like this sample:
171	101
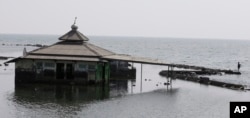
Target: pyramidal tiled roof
73	35
74	46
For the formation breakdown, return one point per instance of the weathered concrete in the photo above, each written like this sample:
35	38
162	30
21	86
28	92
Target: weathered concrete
193	76
202	72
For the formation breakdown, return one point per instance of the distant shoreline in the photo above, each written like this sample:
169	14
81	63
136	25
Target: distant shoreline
35	45
5	58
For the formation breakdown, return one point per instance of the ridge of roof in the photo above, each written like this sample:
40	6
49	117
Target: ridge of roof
92	50
99	48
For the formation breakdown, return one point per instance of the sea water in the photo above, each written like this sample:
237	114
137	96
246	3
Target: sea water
147	96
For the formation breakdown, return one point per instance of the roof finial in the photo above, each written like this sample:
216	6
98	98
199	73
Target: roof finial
74	27
75	20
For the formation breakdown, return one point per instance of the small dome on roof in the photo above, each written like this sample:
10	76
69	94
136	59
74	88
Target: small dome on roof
74	27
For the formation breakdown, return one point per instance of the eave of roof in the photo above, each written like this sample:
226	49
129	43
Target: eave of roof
58	58
66	58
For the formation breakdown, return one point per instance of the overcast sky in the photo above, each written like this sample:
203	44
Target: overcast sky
223	19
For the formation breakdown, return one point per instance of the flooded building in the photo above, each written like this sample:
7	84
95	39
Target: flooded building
72	59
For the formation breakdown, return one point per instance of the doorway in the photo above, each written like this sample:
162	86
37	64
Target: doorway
60	71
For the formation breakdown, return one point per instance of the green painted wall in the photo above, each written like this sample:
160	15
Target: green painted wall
107	71
102	69
99	71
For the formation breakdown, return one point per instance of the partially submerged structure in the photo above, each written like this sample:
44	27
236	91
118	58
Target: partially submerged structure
72	59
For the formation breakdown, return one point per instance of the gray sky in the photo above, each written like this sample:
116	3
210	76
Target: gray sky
226	19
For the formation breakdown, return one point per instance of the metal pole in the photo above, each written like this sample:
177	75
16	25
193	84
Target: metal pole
172	76
141	77
168	72
168	78
131	87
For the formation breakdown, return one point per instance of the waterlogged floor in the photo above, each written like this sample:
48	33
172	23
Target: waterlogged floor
148	98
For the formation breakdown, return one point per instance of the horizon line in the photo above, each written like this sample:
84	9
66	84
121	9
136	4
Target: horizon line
161	37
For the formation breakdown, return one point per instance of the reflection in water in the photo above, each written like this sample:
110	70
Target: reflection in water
39	93
39	100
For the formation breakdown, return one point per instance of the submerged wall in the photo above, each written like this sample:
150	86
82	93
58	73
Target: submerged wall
58	71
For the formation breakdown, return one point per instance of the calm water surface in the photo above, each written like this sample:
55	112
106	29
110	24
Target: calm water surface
131	98
120	99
